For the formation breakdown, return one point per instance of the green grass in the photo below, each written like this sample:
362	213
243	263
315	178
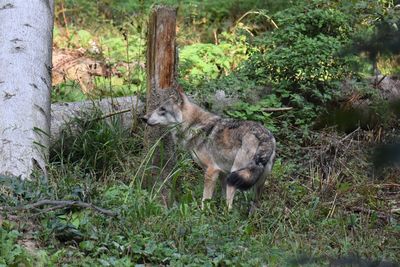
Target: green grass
298	221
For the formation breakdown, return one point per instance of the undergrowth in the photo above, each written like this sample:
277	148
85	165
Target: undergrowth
313	221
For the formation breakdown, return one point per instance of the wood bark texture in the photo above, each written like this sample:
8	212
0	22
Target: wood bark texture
161	80
63	114
25	84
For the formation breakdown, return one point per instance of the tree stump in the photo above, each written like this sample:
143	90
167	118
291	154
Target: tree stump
161	84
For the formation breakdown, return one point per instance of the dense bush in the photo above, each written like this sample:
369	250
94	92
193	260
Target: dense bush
301	59
202	63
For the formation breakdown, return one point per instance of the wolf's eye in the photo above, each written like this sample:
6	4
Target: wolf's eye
162	110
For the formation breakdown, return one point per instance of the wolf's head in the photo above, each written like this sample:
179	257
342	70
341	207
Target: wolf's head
168	113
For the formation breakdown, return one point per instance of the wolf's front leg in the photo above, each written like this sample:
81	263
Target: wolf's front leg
210	178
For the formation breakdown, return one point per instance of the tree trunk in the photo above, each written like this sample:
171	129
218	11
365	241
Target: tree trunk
161	83
25	84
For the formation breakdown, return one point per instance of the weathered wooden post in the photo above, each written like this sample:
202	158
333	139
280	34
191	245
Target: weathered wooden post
161	83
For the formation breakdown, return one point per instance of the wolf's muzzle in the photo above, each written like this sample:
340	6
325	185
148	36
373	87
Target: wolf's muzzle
144	118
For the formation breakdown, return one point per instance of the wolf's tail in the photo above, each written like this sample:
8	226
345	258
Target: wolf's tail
245	178
263	160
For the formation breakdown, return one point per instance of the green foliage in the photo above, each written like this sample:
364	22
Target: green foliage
12	254
308	63
133	83
200	63
301	60
119	49
256	112
297	217
376	40
67	92
313	19
294	221
198	15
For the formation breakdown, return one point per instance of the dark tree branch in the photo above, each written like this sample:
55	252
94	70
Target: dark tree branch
59	204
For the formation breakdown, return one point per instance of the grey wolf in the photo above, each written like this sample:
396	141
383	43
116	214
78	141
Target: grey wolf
243	151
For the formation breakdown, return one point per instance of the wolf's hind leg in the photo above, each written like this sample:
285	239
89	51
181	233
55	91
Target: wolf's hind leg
224	183
259	186
259	189
210	178
230	194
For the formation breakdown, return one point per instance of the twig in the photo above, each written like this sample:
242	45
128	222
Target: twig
333	207
395	210
257	13
113	114
386	185
216	37
277	109
59	204
350	134
379	214
65	21
379	82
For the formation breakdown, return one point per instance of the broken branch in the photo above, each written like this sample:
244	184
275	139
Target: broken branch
113	114
277	109
59	204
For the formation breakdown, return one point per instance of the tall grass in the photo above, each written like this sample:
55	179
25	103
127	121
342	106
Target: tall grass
96	146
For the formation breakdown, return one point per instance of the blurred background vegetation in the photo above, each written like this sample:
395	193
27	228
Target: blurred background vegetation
334	194
304	50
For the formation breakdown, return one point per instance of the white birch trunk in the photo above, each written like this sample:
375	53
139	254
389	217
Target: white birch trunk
25	82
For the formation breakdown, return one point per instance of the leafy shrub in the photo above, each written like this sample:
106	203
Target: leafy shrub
14	254
309	68
200	63
256	112
10	252
119	49
312	19
301	58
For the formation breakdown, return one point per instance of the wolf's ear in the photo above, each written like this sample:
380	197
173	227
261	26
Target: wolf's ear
184	98
174	98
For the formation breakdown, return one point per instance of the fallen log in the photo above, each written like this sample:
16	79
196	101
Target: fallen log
63	114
